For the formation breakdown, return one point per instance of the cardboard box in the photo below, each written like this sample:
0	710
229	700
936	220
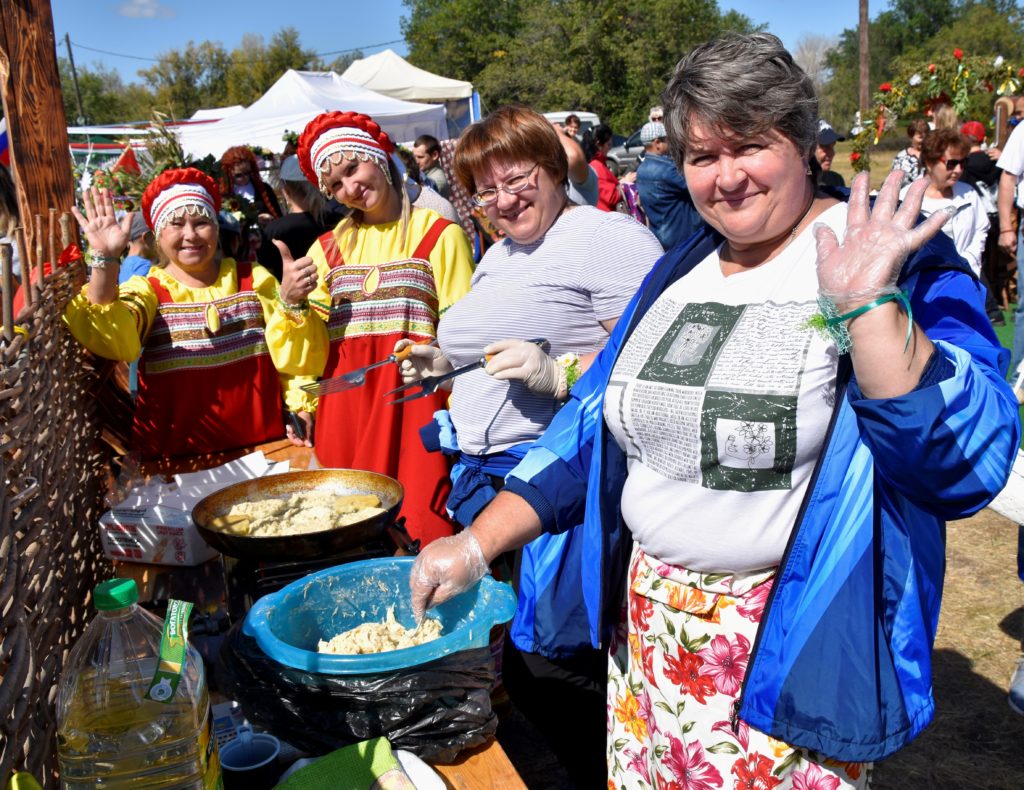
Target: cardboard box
154	522
160	535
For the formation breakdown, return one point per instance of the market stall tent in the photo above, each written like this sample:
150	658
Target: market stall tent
298	97
216	113
389	73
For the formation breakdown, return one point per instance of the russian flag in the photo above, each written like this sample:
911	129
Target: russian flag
5	147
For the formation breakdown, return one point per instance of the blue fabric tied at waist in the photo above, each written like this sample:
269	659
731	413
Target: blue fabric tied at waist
472	487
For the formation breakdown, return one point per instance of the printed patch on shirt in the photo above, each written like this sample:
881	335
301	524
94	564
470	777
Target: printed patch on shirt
686	352
748	442
709	393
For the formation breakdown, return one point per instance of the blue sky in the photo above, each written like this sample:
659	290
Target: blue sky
144	28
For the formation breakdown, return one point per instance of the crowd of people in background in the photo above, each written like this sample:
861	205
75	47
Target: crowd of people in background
653	375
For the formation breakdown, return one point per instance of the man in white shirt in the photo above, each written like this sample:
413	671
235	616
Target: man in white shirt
1011	162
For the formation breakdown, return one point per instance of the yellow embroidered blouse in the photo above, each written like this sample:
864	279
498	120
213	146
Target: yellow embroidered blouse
117	330
451	261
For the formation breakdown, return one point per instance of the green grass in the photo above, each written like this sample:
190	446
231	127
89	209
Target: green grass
1005	335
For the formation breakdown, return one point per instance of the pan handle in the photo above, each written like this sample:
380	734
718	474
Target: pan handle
401	538
297	425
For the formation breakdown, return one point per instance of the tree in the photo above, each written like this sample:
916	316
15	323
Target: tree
256	66
105	98
189	80
459	38
810	53
613	57
911	29
341	62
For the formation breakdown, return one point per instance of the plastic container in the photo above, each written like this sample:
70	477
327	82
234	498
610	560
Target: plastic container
288	624
108	733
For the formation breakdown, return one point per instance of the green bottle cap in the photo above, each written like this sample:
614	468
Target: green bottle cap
115	594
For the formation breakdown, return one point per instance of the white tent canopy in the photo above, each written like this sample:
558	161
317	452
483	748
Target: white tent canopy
216	113
298	97
389	73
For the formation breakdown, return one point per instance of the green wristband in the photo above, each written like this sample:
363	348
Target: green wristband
835	325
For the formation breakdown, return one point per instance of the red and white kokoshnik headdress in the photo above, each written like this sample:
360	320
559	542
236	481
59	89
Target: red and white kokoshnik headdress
176	191
332	136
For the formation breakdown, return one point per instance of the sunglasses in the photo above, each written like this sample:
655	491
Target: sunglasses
952	163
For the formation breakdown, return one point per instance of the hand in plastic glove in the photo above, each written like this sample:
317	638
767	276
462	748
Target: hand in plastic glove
876	243
445	568
526	362
423	360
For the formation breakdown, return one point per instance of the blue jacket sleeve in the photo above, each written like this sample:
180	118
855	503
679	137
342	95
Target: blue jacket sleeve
553	476
948	445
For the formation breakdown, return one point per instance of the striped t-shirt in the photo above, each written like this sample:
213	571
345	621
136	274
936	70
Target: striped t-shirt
584	270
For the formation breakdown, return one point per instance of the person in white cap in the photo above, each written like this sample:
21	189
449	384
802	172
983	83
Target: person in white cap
825	152
663	192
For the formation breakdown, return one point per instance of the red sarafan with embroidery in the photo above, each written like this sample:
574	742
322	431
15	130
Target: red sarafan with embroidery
327	121
171	178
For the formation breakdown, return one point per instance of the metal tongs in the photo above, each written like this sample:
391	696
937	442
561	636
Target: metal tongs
356	378
430	384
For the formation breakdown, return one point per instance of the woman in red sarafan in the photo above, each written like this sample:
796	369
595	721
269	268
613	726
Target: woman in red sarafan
386	272
217	349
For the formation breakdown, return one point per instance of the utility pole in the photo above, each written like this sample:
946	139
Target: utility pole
74	79
865	63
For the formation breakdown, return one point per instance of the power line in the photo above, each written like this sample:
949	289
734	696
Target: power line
315	54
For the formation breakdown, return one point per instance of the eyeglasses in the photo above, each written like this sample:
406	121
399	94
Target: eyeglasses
241	174
513	185
952	163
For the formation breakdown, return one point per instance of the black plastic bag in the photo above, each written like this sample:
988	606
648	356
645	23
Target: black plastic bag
434	710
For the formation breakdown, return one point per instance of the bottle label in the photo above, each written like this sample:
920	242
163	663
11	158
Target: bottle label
209	757
173	650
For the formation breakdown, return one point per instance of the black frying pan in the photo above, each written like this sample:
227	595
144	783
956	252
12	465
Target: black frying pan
330	540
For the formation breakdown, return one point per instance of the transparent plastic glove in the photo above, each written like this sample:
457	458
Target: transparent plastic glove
445	568
876	243
422	361
525	362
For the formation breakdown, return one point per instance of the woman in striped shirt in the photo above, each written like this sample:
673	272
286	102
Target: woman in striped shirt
564	273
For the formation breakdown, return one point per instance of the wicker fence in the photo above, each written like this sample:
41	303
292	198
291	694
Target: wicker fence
53	470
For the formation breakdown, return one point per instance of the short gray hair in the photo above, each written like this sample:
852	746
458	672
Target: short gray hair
740	85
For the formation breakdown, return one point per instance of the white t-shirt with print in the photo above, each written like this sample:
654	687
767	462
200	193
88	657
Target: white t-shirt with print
721	399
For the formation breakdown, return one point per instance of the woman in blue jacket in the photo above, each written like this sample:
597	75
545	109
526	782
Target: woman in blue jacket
764	456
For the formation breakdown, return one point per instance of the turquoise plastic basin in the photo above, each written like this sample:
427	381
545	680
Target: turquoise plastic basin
288	624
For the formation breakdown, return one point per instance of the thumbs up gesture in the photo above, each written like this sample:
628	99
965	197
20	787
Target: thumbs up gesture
299	276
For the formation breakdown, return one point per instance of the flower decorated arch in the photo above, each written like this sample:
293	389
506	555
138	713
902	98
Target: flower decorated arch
954	80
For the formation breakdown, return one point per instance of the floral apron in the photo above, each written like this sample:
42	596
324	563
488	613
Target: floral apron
676	666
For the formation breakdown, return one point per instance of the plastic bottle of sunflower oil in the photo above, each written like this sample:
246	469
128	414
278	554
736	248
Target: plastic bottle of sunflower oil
133	709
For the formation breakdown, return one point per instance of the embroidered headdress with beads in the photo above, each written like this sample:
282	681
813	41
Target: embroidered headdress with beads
333	136
184	190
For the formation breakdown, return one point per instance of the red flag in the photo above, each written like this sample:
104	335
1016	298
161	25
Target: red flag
127	162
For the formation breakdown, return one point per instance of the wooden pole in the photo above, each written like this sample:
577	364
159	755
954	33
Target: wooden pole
865	64
40	259
7	281
51	239
34	108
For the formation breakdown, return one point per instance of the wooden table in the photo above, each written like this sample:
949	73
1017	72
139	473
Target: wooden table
486	767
